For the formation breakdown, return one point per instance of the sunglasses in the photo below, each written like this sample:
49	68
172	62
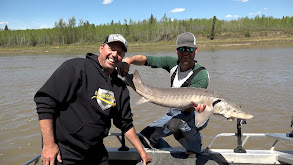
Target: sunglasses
188	49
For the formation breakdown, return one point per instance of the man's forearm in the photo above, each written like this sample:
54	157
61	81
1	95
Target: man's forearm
132	137
136	60
50	149
46	126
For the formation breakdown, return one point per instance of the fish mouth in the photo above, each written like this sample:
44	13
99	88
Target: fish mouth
247	116
239	115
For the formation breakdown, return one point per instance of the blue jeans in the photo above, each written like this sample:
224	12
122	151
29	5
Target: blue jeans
181	125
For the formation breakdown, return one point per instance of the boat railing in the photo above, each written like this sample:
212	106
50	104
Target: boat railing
247	136
120	137
34	160
239	135
239	149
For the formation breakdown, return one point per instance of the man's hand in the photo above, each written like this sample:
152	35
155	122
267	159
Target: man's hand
49	154
123	67
198	108
146	159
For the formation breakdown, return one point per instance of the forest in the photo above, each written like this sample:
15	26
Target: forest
148	30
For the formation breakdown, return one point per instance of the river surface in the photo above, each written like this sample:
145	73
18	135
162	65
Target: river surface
260	80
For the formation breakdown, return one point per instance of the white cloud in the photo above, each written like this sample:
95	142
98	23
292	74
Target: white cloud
3	23
177	10
43	27
106	2
241	0
266	8
257	13
232	16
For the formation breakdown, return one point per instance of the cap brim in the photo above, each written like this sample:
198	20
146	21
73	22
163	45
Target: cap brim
187	45
123	45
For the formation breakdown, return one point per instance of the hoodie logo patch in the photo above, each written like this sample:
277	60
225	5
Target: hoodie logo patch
105	98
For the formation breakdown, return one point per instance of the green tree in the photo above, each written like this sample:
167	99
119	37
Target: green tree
32	39
213	28
6	28
152	20
71	31
81	23
72	22
148	30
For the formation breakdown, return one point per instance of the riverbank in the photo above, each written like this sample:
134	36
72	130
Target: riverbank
202	42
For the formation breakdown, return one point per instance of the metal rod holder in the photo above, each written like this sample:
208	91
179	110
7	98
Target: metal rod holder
239	148
123	147
291	133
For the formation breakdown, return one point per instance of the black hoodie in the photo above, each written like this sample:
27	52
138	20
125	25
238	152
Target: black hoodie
81	99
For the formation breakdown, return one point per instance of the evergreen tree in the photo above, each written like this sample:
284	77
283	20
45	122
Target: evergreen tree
213	28
152	19
6	28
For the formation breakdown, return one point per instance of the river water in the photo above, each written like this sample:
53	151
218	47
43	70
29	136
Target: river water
260	80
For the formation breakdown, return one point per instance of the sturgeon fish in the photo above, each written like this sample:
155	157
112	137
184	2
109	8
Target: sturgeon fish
182	97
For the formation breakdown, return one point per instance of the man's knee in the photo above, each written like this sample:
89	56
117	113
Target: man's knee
175	125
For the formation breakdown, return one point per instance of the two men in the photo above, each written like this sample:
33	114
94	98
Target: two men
184	72
76	104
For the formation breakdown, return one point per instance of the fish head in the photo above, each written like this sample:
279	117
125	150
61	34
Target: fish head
230	110
136	78
128	80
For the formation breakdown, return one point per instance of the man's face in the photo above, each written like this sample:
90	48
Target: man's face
111	56
186	56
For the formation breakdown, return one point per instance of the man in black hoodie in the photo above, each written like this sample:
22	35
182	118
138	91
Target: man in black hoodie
75	107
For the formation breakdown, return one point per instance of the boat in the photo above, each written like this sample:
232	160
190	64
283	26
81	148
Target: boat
175	156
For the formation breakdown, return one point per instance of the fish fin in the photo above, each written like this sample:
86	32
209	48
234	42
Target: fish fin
142	100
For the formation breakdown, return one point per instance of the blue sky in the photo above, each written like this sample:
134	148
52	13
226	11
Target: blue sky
36	14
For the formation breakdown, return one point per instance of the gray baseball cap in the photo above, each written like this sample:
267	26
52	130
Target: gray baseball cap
186	39
117	38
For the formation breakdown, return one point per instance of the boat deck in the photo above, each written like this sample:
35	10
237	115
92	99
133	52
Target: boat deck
175	156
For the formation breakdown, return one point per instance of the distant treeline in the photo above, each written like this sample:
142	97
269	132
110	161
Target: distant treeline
148	30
